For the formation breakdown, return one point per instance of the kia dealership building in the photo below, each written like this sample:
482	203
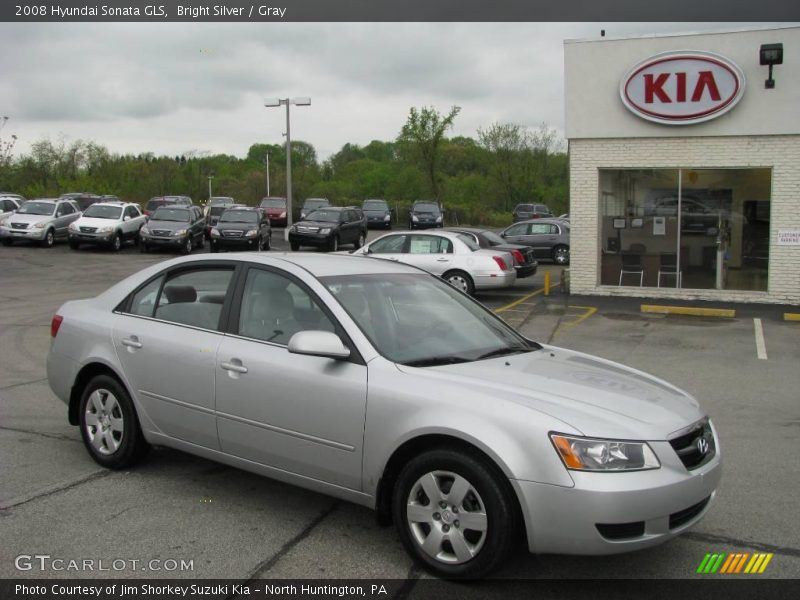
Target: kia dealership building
685	165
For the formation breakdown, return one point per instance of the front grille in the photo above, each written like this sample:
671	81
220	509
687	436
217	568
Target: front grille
88	229
305	229
162	232
19	226
687	514
695	448
232	233
621	531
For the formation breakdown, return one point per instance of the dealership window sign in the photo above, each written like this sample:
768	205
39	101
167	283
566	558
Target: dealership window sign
788	237
681	88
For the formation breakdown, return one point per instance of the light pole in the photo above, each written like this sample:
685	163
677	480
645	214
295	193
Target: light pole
210	177
266	161
271	103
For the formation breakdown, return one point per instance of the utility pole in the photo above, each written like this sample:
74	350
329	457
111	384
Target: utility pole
266	160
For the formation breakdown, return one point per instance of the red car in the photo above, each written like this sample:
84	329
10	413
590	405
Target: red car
275	207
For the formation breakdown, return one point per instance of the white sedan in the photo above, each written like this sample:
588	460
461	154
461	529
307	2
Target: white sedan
454	257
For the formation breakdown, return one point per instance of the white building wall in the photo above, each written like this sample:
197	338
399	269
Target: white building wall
780	153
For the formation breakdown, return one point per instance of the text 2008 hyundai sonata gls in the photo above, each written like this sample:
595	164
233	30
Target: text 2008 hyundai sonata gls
383	385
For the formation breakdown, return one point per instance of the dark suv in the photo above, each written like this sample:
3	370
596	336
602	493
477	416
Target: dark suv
174	226
523	212
83	199
329	228
424	214
378	213
158	201
216	206
241	228
312	204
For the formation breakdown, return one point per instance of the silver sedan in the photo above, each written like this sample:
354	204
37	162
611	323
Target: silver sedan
454	257
382	385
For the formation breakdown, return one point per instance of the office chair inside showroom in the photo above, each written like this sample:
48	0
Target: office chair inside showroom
632	265
668	266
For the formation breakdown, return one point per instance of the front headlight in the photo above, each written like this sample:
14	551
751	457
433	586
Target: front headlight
439	219
414	218
179	233
283	215
588	454
214	232
107	229
40	225
302	215
252	233
144	230
387	216
325	230
73	226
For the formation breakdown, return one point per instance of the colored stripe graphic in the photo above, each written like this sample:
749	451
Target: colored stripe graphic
735	563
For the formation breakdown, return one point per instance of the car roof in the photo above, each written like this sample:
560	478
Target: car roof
554	220
114	203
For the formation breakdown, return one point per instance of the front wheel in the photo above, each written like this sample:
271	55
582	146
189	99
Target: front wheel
74	245
109	426
461	281
294	246
49	239
8	242
202	243
453	514
360	241
561	255
116	242
333	245
187	245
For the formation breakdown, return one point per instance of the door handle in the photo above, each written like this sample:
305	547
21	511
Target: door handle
442	260
235	365
131	342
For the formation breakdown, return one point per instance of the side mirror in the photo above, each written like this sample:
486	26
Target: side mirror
126	218
318	343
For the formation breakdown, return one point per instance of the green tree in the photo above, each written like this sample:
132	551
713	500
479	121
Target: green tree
420	140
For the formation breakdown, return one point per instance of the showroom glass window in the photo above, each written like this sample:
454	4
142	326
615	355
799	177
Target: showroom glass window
722	241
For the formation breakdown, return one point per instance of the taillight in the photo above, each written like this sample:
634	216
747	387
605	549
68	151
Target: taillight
55	324
500	263
518	257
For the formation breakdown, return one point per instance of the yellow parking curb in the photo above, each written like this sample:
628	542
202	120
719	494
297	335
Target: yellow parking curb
518	301
688	310
791	316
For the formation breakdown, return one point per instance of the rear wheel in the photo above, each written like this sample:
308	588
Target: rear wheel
453	513
561	255
109	425
460	280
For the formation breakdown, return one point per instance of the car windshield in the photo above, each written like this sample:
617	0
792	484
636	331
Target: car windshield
37	208
239	216
312	204
98	211
419	320
328	216
276	203
155	203
171	214
493	238
375	205
426	207
220	201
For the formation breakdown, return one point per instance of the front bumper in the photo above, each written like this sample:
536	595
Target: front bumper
425	224
23	234
172	242
652	506
486	281
378	222
310	239
234	242
92	238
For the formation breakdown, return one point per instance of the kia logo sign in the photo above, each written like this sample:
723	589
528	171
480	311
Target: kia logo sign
681	88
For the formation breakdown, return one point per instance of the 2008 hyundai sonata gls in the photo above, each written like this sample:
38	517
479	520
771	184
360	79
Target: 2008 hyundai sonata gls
383	385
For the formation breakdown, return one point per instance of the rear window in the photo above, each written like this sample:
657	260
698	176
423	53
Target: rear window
273	203
525	208
155	203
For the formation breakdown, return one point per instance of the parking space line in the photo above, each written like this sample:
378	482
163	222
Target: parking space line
761	347
518	301
588	312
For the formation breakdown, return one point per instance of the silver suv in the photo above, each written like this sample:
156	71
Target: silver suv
108	224
43	221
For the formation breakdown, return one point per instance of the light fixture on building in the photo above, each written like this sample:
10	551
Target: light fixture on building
770	54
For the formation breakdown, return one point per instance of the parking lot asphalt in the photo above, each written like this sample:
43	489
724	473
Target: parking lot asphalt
55	500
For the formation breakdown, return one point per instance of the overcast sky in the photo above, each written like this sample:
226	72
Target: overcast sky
181	87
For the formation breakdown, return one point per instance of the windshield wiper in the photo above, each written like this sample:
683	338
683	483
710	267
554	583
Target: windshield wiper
504	352
436	360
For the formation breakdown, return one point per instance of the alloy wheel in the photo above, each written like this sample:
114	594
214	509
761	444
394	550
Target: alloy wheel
104	422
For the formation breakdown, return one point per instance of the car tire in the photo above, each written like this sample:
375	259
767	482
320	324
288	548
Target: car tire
213	248
144	248
471	525
116	242
360	241
461	281
268	245
561	255
8	242
74	245
49	239
188	246
294	246
202	243
333	246
109	426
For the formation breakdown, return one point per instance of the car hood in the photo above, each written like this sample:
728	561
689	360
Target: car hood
597	397
230	226
319	224
29	219
167	225
96	222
